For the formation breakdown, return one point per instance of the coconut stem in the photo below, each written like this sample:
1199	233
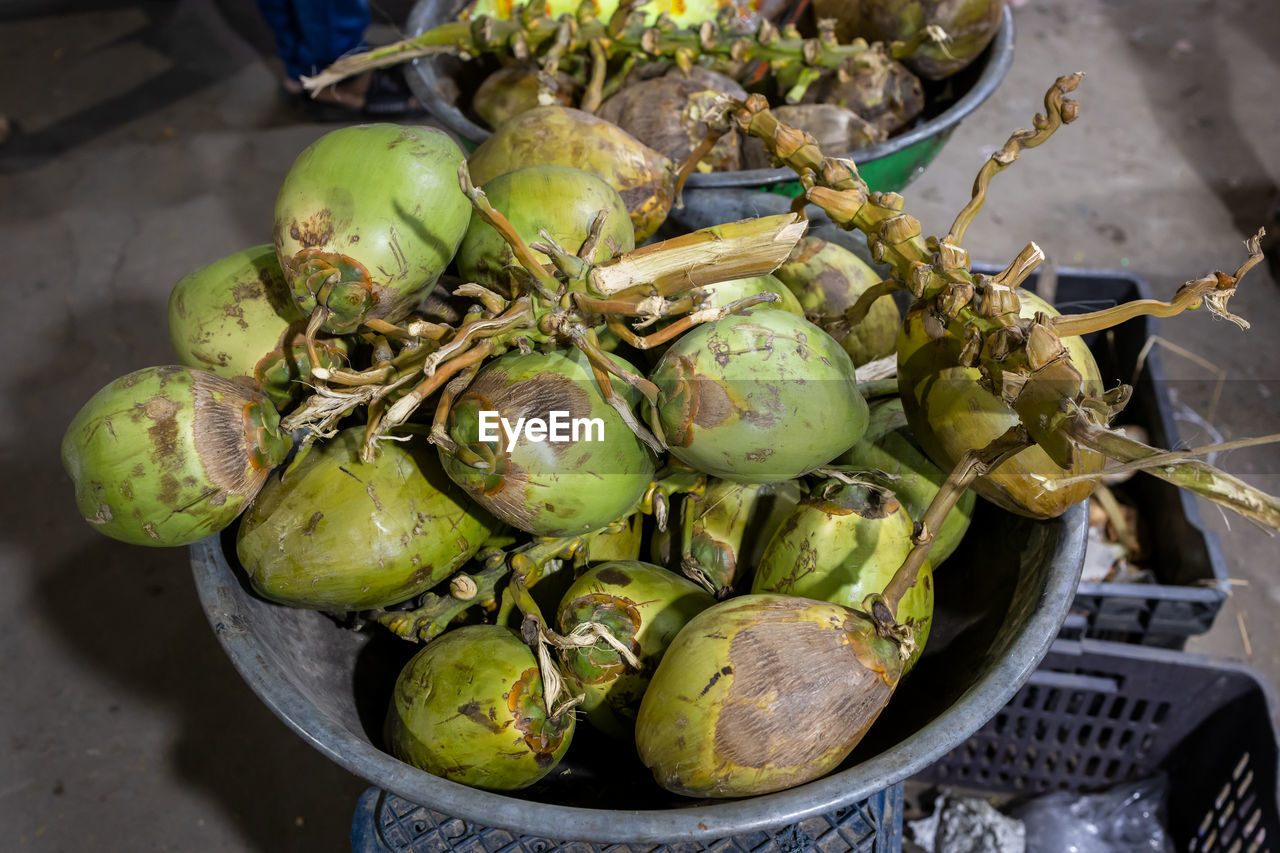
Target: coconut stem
696	156
402	409
1059	110
391	330
614	308
619	78
1174	466
551	59
925	35
835	186
630	36
930	268
374	376
439	429
873	388
321	412
687	322
601	368
319	315
858	311
493	303
973	464
447	38
707	256
585	339
518	316
1213	290
594	235
594	94
434	612
535	632
546	283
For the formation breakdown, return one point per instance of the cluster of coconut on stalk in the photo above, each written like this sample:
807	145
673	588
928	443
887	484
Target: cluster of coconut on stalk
641	489
848	71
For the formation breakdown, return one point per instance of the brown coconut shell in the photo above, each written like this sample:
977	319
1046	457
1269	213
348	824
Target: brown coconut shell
877	87
669	115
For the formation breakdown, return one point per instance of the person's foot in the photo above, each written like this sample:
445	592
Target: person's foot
380	93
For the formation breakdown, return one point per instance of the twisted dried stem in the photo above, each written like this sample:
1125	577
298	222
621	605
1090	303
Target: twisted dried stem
1213	290
1059	110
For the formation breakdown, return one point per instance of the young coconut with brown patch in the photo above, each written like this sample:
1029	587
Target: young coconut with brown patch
234	317
470	707
167	456
623	616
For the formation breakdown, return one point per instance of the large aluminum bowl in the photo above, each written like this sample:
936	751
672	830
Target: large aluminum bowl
1001	600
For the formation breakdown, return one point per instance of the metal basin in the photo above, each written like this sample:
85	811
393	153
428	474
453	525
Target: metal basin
443	84
1001	600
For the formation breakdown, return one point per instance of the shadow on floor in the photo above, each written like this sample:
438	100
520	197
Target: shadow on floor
131	613
1187	79
173	29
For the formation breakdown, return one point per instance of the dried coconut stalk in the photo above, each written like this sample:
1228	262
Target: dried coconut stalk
722	253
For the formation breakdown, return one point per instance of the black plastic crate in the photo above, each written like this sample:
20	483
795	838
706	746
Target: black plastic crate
1186	559
1099	713
385	823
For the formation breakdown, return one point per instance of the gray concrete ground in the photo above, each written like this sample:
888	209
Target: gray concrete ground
151	140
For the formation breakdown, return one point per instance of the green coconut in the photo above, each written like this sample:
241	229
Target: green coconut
367	219
561	200
843	543
562	136
167	456
758	399
761	693
336	533
234	317
539	483
470	708
642	607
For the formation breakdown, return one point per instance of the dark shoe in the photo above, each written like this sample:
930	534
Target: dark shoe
389	96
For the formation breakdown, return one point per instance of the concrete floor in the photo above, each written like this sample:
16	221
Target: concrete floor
151	141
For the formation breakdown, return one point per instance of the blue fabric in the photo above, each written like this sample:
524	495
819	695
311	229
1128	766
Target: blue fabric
311	34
